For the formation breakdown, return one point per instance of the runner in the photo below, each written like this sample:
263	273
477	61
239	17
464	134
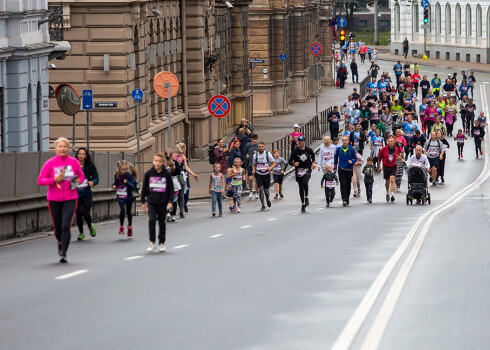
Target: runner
430	115
216	189
158	189
278	173
471	82
345	158
263	163
442	164
376	144
409	128
434	150
61	174
356	175
400	167
424	86
303	159
462	111
357	138
478	134
416	80
364	117
372	87
482	120
181	160
397	68
436	85
237	173
460	138
470	113
387	157
450	118
327	153
329	180
250	149
85	192
333	119
368	172
125	183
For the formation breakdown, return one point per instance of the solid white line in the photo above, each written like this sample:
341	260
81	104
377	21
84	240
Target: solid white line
180	246
271	219
214	236
134	257
378	327
351	329
71	274
246	226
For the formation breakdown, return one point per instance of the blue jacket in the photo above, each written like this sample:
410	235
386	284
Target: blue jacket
90	175
234	154
342	158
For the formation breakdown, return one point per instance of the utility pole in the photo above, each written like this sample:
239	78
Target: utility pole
376	32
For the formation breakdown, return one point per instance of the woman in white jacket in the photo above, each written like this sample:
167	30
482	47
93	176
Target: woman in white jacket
327	153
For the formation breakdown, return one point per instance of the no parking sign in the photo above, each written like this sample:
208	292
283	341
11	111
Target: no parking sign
219	106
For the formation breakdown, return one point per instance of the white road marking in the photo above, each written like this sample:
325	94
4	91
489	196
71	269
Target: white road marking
246	226
296	214
197	203
214	236
71	274
271	219
486	82
180	246
133	257
376	186
319	208
383	316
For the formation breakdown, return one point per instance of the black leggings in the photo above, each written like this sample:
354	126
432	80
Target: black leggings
329	194
180	201
460	149
62	214
83	212
126	208
477	145
157	212
303	186
345	179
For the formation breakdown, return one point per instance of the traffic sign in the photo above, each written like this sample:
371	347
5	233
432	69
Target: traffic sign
317	72
137	94
316	49
283	57
219	106
256	61
88	100
106	104
161	79
341	22
425	3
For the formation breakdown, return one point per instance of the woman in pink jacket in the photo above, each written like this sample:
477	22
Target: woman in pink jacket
62	174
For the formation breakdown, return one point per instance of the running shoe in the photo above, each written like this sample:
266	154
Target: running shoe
256	196
251	195
231	209
477	157
161	248
355	194
81	237
303	208
168	218
213	214
434	184
151	247
220	214
63	260
263	208
387	197
121	230
328	205
186	209
481	152
281	195
370	200
442	179
182	216
276	196
392	198
130	231
269	204
307	202
459	157
344	203
173	218
238	210
93	233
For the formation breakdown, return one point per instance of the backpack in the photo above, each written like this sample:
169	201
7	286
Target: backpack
211	148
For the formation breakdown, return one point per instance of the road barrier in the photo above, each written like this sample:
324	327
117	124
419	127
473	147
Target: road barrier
23	204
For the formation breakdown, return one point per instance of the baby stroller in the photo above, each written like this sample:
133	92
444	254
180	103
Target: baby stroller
417	185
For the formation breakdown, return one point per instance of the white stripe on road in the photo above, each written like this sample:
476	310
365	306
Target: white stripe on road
246	226
296	214
180	246
214	236
71	274
383	316
134	257
271	219
319	208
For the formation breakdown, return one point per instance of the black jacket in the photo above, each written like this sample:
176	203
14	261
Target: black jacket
353	67
362	139
158	187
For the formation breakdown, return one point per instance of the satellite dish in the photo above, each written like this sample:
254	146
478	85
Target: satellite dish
68	99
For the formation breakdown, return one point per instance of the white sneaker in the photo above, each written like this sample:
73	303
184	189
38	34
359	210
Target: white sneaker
151	247
161	248
251	195
256	196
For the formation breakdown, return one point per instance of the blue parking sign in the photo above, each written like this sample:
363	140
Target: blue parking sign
283	57
137	94
88	100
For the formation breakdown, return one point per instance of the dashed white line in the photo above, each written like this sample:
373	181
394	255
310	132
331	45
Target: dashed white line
319	208
214	236
71	274
180	246
134	257
296	214
246	226
271	219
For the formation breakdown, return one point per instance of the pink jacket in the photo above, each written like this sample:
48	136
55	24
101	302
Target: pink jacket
60	192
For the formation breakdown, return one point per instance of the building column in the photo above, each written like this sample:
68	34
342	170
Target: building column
326	40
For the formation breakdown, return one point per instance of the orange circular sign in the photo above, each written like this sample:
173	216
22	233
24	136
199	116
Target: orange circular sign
159	84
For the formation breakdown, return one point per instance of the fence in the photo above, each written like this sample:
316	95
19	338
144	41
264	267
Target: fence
313	130
363	84
23	205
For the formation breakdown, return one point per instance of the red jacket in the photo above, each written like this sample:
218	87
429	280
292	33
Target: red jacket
384	156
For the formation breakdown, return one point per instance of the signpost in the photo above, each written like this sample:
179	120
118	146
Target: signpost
252	66
341	22
283	58
166	85
137	96
69	102
219	106
316	50
88	105
425	4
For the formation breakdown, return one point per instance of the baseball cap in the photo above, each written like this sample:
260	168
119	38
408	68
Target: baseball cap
301	138
295	126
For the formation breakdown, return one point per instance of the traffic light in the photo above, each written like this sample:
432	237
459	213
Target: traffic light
426	16
342	38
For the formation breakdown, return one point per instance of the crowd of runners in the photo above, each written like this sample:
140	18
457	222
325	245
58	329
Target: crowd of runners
404	121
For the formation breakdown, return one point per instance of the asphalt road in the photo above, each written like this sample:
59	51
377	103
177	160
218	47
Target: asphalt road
267	280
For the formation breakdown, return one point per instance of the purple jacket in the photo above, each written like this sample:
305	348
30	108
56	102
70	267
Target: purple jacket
60	192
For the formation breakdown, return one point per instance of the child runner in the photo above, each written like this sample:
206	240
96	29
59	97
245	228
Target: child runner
236	184
158	187
482	119
229	189
368	172
400	167
216	189
478	134
460	137
124	184
85	192
329	179
376	144
278	173
356	176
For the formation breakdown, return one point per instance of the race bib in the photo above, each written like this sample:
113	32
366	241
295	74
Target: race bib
327	156
262	167
122	192
158	184
409	133
330	184
68	172
356	144
460	140
390	157
84	184
378	143
476	132
302	172
433	151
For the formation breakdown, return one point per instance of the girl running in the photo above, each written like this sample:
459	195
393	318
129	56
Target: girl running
482	119
356	176
278	173
216	189
85	192
460	138
376	143
236	184
462	111
470	113
61	174
229	189
181	160
451	112
124	183
478	134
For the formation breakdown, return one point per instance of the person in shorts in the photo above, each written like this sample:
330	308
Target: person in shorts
387	156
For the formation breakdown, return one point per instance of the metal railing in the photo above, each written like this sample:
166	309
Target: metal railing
313	130
363	84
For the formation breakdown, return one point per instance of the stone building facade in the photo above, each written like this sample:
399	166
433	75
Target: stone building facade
458	29
289	27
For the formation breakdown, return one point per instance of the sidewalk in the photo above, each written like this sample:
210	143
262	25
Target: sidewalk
272	128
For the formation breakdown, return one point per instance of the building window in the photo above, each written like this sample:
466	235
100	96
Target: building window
479	25
458	19
438	18
24	27
448	19
397	17
415	18
362	23
384	23
469	30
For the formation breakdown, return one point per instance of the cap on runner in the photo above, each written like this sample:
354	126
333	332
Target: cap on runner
301	138
295	126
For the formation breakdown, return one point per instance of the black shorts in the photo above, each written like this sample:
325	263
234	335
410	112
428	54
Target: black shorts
365	124
434	162
263	180
389	172
278	178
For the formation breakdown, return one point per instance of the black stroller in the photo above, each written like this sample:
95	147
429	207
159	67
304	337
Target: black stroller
417	185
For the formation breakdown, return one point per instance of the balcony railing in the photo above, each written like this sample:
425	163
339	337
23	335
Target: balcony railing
56	29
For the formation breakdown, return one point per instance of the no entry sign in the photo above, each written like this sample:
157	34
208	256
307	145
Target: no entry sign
316	49
219	106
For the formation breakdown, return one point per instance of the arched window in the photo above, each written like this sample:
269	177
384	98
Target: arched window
397	17
415	18
448	19
468	21
458	19
438	18
479	24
